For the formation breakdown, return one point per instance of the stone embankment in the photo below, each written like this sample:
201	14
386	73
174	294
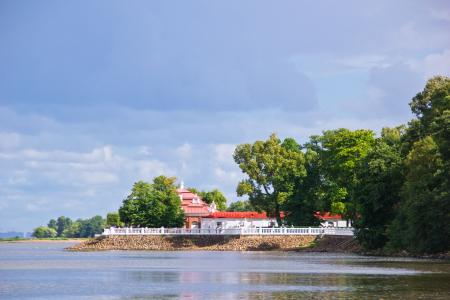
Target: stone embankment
196	242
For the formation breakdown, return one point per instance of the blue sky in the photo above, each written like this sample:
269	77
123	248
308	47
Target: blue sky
95	95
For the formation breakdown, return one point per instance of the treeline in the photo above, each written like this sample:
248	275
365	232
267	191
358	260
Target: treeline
154	204
64	227
394	187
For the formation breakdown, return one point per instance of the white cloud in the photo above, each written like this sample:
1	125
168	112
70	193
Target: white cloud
224	152
9	140
184	151
437	64
363	61
37	205
144	150
152	168
441	14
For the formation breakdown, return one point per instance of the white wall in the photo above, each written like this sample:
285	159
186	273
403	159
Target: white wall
336	223
226	223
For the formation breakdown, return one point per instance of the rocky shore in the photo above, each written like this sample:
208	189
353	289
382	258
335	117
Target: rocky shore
196	242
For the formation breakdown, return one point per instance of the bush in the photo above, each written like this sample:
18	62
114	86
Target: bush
44	232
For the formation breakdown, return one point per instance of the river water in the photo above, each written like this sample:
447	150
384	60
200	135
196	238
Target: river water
46	271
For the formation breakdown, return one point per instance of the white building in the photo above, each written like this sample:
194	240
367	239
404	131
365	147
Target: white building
332	220
233	220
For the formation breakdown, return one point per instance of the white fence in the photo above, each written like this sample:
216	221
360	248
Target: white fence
234	231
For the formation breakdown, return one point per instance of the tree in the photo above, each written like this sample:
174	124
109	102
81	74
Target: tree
377	192
153	205
74	230
52	224
432	108
272	170
62	223
241	205
113	219
215	196
425	208
308	194
91	227
44	232
340	152
422	224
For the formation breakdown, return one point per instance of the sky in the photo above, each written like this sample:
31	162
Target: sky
96	95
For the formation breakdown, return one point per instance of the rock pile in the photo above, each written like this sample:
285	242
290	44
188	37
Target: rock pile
196	242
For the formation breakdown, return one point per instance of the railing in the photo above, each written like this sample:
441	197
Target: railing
231	231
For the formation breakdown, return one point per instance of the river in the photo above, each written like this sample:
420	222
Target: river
45	271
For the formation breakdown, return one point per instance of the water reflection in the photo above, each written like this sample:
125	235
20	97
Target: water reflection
45	271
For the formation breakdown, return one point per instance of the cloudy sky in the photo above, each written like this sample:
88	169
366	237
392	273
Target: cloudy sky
95	95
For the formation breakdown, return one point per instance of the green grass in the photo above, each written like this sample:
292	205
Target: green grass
12	239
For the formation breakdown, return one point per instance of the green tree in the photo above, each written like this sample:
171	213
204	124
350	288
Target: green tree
340	152
308	194
425	209
377	191
422	223
113	219
272	171
215	196
52	224
153	205
44	232
432	108
91	227
241	205
62	223
73	231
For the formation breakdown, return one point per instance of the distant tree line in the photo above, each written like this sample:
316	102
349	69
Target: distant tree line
394	187
64	227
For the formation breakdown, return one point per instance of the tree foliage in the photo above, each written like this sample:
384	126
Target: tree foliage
272	168
215	196
395	188
241	205
377	191
113	219
209	197
44	232
153	204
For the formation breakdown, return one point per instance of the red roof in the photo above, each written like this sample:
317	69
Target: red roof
327	216
239	215
197	208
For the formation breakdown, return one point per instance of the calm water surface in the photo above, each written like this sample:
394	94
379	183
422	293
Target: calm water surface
46	271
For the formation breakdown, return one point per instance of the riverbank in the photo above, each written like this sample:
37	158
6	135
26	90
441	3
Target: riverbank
44	240
197	242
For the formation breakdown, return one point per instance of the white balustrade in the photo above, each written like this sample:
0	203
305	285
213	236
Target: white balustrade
231	231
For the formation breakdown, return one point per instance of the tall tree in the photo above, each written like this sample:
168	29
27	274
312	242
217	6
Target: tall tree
340	152
426	205
272	170
377	191
153	205
62	223
423	220
308	193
